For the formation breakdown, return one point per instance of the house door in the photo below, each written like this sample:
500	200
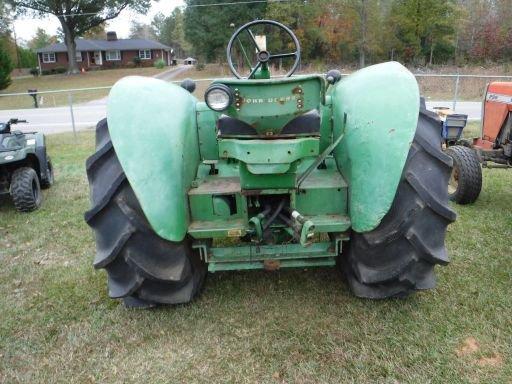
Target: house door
97	59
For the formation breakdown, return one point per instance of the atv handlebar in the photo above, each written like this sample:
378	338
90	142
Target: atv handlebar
16	121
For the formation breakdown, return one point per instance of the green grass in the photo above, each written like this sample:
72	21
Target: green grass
55	82
58	325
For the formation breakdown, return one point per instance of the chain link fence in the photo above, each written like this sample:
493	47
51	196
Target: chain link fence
70	110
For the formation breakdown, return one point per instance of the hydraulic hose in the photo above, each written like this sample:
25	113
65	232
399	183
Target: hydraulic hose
274	215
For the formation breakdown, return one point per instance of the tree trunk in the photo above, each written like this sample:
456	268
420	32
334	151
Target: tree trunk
69	39
362	45
431	53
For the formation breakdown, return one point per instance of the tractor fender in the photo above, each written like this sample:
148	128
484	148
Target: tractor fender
152	124
376	109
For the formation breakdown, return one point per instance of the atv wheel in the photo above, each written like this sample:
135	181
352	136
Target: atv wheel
398	257
142	267
466	179
25	190
48	182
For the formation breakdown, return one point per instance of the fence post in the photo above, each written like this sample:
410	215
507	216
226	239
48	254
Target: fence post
70	99
456	93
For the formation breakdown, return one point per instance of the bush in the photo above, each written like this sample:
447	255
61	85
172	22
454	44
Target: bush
200	66
46	72
137	61
160	63
5	68
34	72
59	70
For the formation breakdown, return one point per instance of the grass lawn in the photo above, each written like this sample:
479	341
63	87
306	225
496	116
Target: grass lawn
292	326
53	82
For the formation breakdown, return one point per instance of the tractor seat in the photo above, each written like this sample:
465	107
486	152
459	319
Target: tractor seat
307	124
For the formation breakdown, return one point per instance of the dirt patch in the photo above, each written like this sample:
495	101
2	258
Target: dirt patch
468	347
494	360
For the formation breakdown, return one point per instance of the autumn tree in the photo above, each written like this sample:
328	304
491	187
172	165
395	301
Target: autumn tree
78	16
41	39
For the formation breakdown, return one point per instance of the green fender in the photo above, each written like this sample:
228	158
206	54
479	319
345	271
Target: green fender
153	128
376	109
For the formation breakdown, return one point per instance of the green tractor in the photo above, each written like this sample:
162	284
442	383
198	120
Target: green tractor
25	167
268	173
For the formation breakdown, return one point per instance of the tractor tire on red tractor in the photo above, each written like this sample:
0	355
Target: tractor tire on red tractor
466	179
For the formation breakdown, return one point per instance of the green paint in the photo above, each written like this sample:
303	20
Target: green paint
153	128
268	105
381	105
268	152
286	255
207	131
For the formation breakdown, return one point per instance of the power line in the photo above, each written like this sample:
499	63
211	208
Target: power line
194	6
235	3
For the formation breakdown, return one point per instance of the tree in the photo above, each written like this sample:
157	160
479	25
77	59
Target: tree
5	68
208	29
98	32
41	39
422	26
78	16
171	31
140	30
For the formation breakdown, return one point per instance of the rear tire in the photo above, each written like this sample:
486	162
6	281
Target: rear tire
26	190
466	177
398	257
143	268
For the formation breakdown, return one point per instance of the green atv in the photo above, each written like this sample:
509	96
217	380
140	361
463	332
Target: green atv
301	171
25	167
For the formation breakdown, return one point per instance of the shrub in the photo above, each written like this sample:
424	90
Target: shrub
56	70
5	68
200	66
160	63
45	72
34	72
137	61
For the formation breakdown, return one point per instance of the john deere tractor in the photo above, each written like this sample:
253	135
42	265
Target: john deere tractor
298	171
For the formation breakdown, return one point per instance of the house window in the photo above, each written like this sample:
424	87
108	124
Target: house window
78	56
145	54
113	55
49	57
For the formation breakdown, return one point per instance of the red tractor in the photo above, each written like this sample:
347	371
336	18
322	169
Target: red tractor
493	149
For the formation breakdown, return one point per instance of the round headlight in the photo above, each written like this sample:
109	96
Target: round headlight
218	97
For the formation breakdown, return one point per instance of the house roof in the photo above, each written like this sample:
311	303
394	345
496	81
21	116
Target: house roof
105	45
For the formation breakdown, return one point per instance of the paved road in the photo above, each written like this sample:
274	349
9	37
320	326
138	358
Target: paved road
56	120
471	108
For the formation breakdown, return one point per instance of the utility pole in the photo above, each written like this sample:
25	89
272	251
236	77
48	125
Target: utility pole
16	45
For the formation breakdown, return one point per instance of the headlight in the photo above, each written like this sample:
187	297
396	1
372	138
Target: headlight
218	97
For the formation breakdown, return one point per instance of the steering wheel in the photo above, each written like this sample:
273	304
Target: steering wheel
262	55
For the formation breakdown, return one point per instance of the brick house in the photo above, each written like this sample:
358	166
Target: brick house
109	53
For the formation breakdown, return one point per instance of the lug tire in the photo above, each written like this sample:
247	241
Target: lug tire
466	173
45	184
25	190
143	268
398	257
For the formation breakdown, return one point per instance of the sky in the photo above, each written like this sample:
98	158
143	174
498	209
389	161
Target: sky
26	27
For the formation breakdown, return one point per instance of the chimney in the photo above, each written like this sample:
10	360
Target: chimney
111	36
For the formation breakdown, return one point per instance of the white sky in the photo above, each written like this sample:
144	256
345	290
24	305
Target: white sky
26	27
